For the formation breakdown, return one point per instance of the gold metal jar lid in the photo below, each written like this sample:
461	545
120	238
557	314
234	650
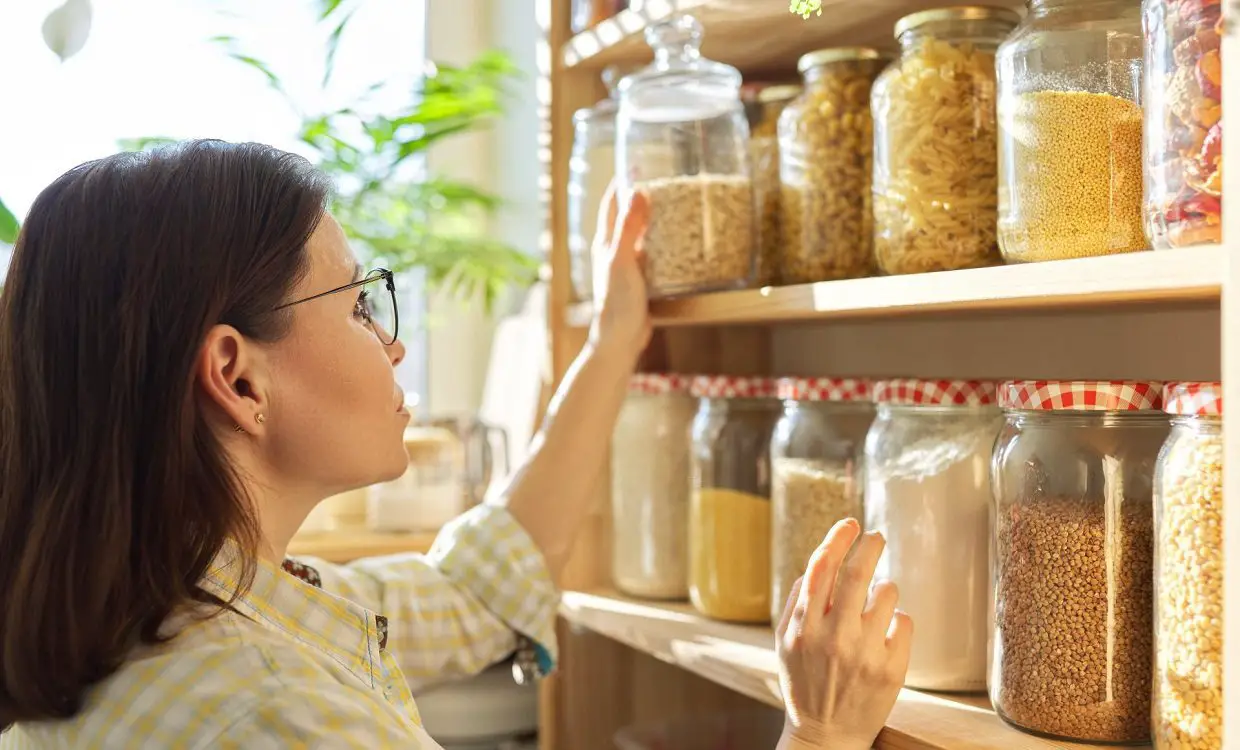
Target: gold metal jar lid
837	54
956	13
778	93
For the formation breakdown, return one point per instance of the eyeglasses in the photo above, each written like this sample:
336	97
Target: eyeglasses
376	307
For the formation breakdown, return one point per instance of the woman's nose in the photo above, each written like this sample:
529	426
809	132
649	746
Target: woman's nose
396	352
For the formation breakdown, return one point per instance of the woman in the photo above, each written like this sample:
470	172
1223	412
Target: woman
190	360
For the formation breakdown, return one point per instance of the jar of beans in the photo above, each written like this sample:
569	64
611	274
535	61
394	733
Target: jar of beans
1188	572
1073	567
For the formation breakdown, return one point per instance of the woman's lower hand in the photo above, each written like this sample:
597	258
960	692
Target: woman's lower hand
622	317
843	647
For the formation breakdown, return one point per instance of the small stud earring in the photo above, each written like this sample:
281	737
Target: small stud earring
260	418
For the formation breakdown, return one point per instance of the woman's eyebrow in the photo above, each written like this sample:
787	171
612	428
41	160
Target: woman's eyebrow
357	272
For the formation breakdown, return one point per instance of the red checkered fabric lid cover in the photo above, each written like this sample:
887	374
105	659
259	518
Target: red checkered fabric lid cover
1080	395
653	384
1193	399
913	392
824	389
730	386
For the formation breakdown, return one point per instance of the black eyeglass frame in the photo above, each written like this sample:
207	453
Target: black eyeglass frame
370	278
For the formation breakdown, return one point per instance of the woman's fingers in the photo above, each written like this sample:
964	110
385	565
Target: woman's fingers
853	587
900	641
881	607
790	606
632	226
824	567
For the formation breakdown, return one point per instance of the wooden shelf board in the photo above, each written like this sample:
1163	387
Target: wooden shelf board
743	658
1173	276
740	32
345	545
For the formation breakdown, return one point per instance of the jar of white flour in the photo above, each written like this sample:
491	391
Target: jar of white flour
927	489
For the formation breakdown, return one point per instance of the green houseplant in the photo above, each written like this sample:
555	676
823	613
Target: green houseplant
394	216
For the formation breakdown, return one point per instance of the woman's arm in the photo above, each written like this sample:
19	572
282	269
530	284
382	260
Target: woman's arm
549	494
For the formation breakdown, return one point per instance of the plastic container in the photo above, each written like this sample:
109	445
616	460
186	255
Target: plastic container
590	170
1073	558
1183	122
936	192
816	476
650	488
826	143
927	489
428	495
702	231
744	730
763	108
1188	572
730	508
1070	132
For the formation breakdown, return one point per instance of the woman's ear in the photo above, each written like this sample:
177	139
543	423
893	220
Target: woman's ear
230	374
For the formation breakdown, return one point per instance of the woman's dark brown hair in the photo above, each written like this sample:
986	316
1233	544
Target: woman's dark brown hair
115	494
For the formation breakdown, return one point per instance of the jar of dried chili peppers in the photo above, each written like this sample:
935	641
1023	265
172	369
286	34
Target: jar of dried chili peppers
1183	122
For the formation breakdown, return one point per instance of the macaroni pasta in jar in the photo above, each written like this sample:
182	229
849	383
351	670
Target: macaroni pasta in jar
936	192
730	508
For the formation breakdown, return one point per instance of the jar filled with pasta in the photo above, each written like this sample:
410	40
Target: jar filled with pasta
729	506
1070	132
826	141
763	108
701	231
936	192
650	488
590	169
816	451
1188	572
1183	122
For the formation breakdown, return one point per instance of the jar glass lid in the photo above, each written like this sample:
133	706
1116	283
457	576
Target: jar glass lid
915	392
1081	395
1192	399
680	85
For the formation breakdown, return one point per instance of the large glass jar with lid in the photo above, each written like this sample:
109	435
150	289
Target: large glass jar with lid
1188	572
936	192
730	508
650	487
826	141
1183	122
1073	558
590	170
682	139
1070	131
927	489
816	451
763	105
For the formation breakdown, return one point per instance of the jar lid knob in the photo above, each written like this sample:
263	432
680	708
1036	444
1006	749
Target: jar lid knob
680	36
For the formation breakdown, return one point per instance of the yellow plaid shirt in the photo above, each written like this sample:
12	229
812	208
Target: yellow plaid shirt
298	665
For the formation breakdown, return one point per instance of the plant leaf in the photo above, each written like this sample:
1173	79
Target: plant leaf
333	42
328	7
9	226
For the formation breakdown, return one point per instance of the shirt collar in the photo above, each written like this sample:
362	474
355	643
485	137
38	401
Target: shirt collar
289	599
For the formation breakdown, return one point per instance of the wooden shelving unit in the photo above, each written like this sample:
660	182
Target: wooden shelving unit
743	658
345	545
1190	275
1151	315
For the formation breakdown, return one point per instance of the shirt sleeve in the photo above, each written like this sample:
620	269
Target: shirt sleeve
324	716
464	605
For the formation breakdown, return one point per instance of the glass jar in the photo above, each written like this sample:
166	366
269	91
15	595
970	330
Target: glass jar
927	489
1188	572
1183	122
816	451
826	141
1073	558
590	170
430	493
729	508
650	488
1070	131
701	230
935	186
763	109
